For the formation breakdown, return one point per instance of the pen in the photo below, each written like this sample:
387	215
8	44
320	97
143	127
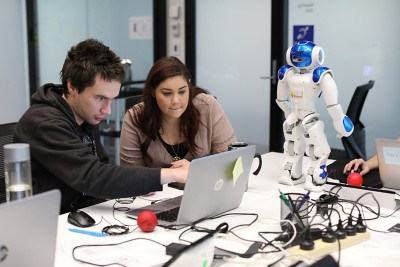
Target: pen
86	232
283	197
295	212
287	203
301	203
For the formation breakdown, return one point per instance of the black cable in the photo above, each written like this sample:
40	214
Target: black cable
105	245
153	201
377	213
115	230
184	249
196	228
338	241
123	228
271	242
275	262
370	209
391	214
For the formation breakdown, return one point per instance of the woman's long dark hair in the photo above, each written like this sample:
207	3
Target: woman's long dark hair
149	120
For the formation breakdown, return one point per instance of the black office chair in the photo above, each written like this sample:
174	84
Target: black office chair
131	101
6	137
354	145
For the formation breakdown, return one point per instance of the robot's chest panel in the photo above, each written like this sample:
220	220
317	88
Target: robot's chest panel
302	88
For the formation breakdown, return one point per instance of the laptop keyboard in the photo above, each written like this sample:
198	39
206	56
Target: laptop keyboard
168	215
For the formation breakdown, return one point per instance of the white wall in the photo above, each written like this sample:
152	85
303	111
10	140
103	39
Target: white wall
63	24
361	42
13	61
60	24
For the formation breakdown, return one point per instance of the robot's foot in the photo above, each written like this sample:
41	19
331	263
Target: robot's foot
310	186
288	180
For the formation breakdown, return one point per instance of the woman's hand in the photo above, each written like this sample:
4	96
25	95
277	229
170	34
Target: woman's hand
355	164
183	163
176	173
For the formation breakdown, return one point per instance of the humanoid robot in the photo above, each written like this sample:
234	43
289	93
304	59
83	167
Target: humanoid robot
300	84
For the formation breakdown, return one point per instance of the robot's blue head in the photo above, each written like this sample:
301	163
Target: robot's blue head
301	54
305	55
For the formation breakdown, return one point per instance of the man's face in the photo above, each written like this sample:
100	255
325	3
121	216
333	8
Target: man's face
94	103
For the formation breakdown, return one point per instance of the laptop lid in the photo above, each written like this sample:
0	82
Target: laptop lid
215	184
29	236
388	152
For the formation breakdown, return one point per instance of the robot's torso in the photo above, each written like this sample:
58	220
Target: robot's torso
302	88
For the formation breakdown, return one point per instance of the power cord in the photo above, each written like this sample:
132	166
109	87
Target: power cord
75	249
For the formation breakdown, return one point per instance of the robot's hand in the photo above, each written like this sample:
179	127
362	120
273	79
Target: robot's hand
343	125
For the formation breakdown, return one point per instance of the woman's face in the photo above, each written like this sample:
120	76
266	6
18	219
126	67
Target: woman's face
172	96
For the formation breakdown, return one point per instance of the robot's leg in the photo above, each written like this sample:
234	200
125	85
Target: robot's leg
318	151
294	148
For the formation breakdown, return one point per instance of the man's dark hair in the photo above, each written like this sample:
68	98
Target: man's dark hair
88	59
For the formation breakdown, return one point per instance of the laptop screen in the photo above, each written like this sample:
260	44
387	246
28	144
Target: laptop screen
388	152
29	238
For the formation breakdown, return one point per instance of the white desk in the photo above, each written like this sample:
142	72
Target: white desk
261	198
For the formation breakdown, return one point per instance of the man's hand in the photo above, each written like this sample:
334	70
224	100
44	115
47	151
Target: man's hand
177	173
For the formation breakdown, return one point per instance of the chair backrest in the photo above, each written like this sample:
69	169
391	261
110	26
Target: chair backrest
357	103
131	101
6	137
354	145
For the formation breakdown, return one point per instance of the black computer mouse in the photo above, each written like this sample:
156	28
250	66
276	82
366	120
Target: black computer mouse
80	219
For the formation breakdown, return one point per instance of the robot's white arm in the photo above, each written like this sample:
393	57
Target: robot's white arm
283	91
341	122
285	106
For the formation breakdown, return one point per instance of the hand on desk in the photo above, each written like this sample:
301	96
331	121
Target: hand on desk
176	173
355	165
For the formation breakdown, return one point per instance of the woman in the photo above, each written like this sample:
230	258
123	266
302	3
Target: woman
175	120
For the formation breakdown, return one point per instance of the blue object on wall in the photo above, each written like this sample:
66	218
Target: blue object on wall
303	33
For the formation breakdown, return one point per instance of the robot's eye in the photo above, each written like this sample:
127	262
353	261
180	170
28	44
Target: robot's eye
296	59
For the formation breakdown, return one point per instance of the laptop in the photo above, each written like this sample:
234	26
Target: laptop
215	184
29	236
388	152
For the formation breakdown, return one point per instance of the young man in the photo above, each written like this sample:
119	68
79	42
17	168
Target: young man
61	128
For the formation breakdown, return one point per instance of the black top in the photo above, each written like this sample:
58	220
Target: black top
178	150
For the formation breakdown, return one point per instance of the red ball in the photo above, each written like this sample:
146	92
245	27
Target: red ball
147	221
355	179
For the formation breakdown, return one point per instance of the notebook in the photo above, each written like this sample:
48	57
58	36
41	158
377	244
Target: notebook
388	152
215	184
29	236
